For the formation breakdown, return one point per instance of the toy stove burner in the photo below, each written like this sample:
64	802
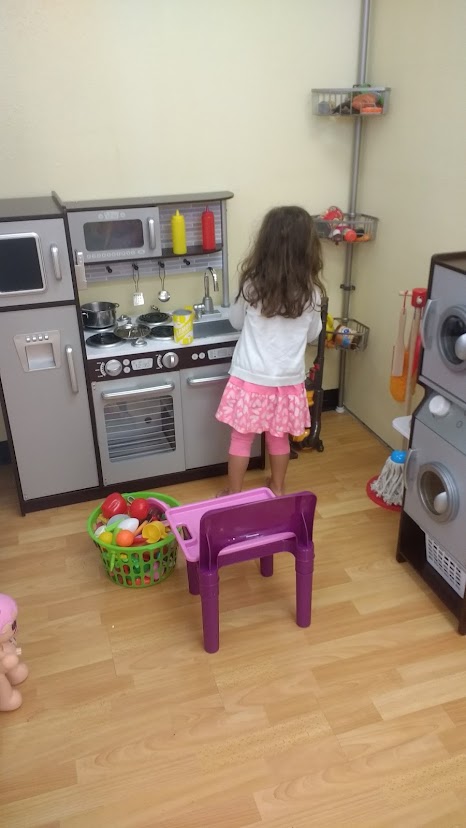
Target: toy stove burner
154	318
161	332
106	339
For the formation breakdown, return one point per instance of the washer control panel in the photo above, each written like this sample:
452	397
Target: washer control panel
158	362
445	418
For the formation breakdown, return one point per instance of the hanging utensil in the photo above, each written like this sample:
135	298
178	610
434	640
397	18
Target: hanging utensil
399	369
163	295
405	362
399	349
418	301
138	296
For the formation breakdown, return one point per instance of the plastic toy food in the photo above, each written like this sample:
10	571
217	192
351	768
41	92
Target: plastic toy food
365	100
129	523
349	234
139	509
344	337
124	538
154	532
106	537
333	213
12	670
330	327
114	504
116	519
343	233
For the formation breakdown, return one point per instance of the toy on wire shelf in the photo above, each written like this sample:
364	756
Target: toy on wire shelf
12	670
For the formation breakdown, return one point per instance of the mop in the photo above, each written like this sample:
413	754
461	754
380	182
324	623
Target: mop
388	486
387	489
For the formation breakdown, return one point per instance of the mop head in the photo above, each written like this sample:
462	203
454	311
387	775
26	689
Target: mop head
388	486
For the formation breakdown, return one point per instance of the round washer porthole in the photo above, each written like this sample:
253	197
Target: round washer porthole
438	492
452	326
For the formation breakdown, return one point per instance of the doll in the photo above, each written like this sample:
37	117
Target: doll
12	670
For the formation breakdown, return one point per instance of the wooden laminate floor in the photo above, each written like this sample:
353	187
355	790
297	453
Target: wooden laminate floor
359	720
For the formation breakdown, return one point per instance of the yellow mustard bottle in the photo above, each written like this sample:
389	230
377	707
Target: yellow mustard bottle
178	234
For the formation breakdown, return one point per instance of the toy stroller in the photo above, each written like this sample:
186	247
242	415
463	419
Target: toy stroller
315	395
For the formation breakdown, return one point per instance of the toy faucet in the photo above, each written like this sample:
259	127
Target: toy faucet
12	670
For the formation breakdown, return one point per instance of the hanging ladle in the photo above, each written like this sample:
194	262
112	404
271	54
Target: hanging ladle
163	294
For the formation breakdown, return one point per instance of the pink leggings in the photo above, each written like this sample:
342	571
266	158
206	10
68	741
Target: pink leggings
240	444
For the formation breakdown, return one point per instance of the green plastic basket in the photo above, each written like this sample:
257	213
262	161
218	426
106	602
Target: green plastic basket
136	567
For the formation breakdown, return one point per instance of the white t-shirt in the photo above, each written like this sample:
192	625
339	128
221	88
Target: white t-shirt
271	351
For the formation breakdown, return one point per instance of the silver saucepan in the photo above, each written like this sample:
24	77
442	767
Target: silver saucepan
99	314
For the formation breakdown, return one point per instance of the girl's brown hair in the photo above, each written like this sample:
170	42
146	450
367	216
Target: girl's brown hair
282	270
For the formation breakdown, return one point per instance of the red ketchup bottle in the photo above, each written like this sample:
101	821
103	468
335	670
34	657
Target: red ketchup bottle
208	231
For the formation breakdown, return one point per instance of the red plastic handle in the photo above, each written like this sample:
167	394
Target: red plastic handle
419	297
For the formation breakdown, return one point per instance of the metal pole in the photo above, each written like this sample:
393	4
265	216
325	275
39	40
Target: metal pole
347	286
363	41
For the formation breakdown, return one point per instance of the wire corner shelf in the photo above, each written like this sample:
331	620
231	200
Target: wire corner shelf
351	101
351	229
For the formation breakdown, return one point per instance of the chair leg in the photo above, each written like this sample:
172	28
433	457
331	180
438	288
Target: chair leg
193	577
304	572
209	583
267	566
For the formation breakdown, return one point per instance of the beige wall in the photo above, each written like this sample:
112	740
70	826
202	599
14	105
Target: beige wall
413	178
136	97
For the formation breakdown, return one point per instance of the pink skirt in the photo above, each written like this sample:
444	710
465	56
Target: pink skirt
251	408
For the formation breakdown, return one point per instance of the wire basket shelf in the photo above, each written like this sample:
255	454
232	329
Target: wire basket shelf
353	101
351	229
347	335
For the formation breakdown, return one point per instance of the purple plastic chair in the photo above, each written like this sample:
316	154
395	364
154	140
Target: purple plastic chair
258	526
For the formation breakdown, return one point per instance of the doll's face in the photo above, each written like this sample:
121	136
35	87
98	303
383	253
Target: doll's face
8	631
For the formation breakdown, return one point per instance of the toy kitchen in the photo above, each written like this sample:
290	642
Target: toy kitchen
94	399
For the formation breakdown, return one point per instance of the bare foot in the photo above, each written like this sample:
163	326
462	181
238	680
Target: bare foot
11	701
18	674
223	493
273	489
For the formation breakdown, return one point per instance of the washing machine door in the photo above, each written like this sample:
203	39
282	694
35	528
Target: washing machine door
444	334
435	480
437	491
452	338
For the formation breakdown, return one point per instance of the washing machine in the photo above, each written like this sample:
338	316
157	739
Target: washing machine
443	329
435	474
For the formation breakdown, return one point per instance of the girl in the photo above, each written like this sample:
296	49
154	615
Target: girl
277	310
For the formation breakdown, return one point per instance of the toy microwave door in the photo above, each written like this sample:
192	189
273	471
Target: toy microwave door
444	334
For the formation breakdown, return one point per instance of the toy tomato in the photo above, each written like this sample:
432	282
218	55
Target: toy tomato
114	504
139	509
124	538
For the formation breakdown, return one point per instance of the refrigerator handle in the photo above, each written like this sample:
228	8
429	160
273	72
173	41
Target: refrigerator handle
71	369
56	262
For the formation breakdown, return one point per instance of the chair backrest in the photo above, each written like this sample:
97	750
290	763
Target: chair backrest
219	528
